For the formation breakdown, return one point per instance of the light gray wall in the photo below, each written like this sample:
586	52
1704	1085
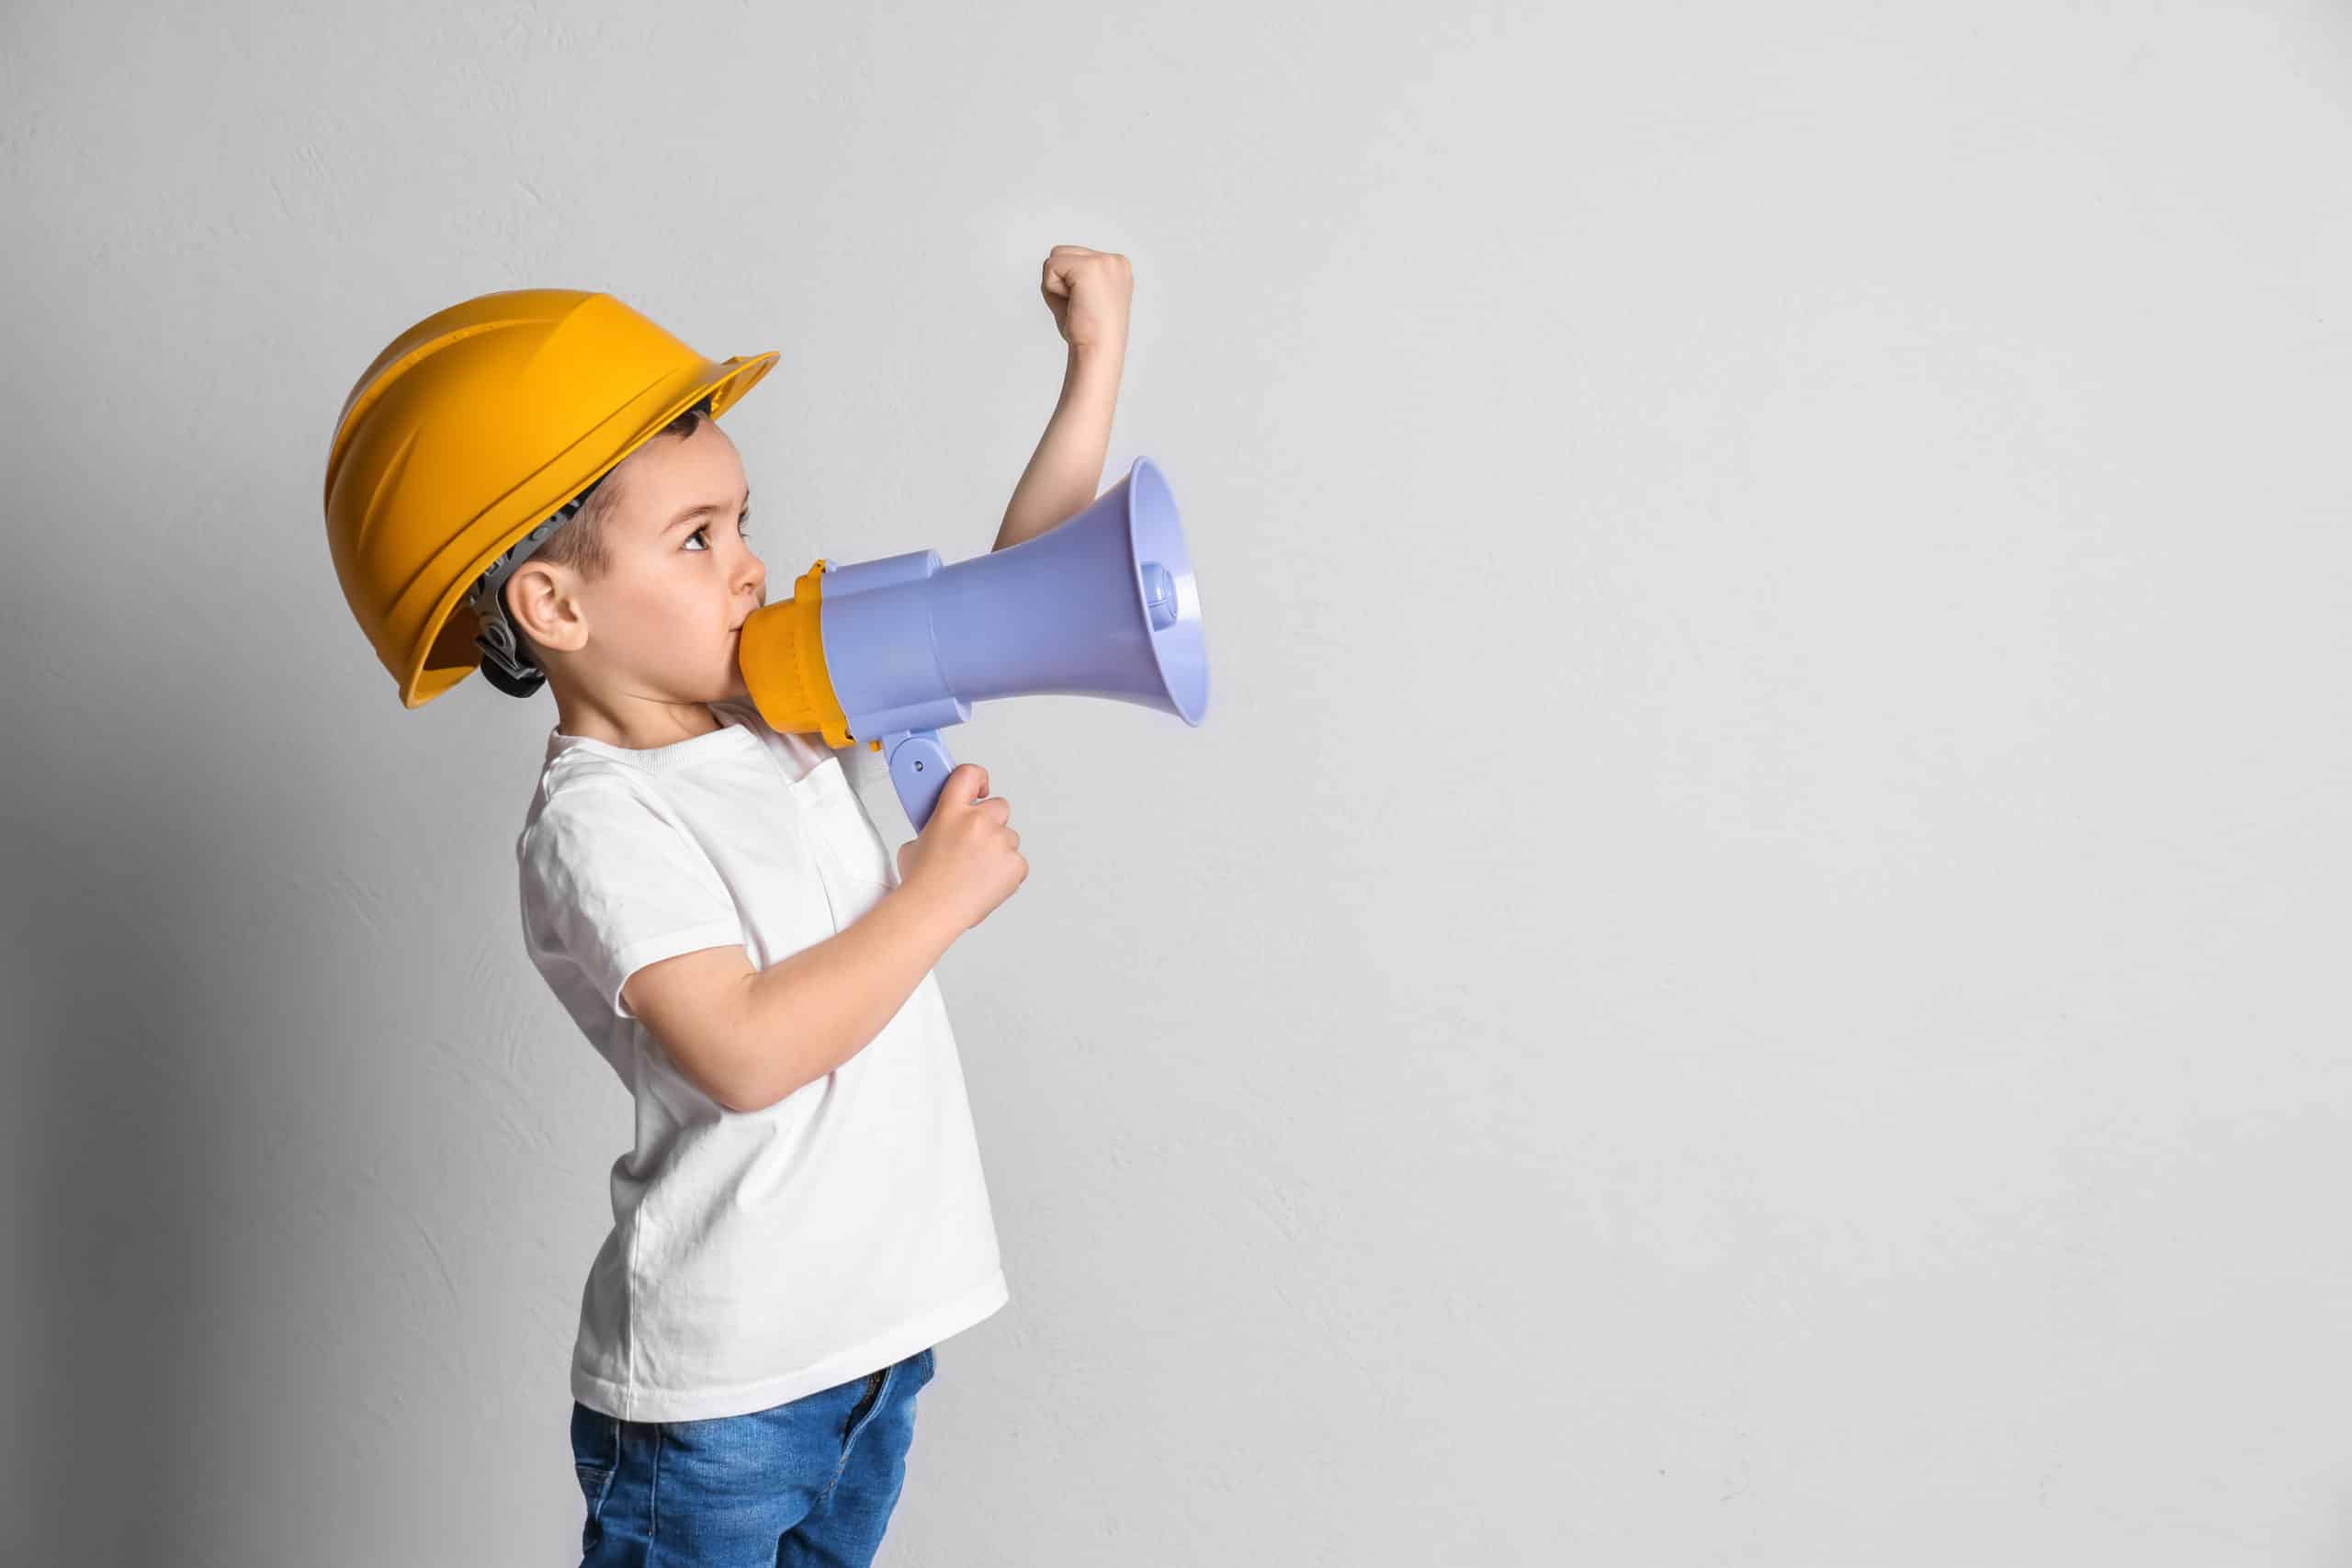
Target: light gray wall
1743	972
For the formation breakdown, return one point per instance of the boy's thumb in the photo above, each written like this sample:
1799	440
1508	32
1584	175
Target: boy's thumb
968	782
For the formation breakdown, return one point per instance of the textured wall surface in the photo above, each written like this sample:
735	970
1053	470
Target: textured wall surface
1742	972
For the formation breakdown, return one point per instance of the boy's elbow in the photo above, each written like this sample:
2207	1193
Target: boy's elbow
753	1095
757	1078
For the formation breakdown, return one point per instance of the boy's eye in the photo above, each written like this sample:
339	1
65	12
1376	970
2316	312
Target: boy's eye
743	525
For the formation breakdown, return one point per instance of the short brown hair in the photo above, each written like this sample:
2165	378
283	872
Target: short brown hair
580	544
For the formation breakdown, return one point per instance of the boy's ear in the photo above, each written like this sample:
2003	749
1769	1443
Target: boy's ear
539	604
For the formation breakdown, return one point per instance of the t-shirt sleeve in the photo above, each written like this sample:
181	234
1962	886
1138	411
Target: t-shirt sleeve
611	884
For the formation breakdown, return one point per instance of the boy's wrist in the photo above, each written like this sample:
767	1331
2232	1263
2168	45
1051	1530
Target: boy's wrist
926	913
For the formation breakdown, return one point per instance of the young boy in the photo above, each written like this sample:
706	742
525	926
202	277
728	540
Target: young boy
802	1216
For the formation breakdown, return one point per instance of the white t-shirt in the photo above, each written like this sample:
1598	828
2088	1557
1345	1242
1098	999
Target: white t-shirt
754	1256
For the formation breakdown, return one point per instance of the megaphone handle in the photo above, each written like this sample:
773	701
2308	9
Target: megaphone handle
919	770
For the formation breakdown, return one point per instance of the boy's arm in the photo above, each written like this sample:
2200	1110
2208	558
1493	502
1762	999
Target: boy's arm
748	1038
1088	292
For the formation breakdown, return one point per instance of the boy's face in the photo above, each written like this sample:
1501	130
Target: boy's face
661	624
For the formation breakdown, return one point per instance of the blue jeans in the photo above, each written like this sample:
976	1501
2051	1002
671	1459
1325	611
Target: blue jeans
807	1484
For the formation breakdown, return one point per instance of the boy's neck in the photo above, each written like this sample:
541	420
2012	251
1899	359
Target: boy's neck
638	727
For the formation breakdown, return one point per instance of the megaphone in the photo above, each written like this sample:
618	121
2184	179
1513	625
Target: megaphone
891	650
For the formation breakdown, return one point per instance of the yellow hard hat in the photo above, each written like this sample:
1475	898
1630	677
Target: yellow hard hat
477	426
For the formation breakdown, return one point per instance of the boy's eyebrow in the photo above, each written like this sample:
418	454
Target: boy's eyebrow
707	509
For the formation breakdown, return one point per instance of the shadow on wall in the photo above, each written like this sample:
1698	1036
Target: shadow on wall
126	1234
245	1270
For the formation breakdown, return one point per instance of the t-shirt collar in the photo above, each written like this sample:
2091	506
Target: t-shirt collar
731	733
